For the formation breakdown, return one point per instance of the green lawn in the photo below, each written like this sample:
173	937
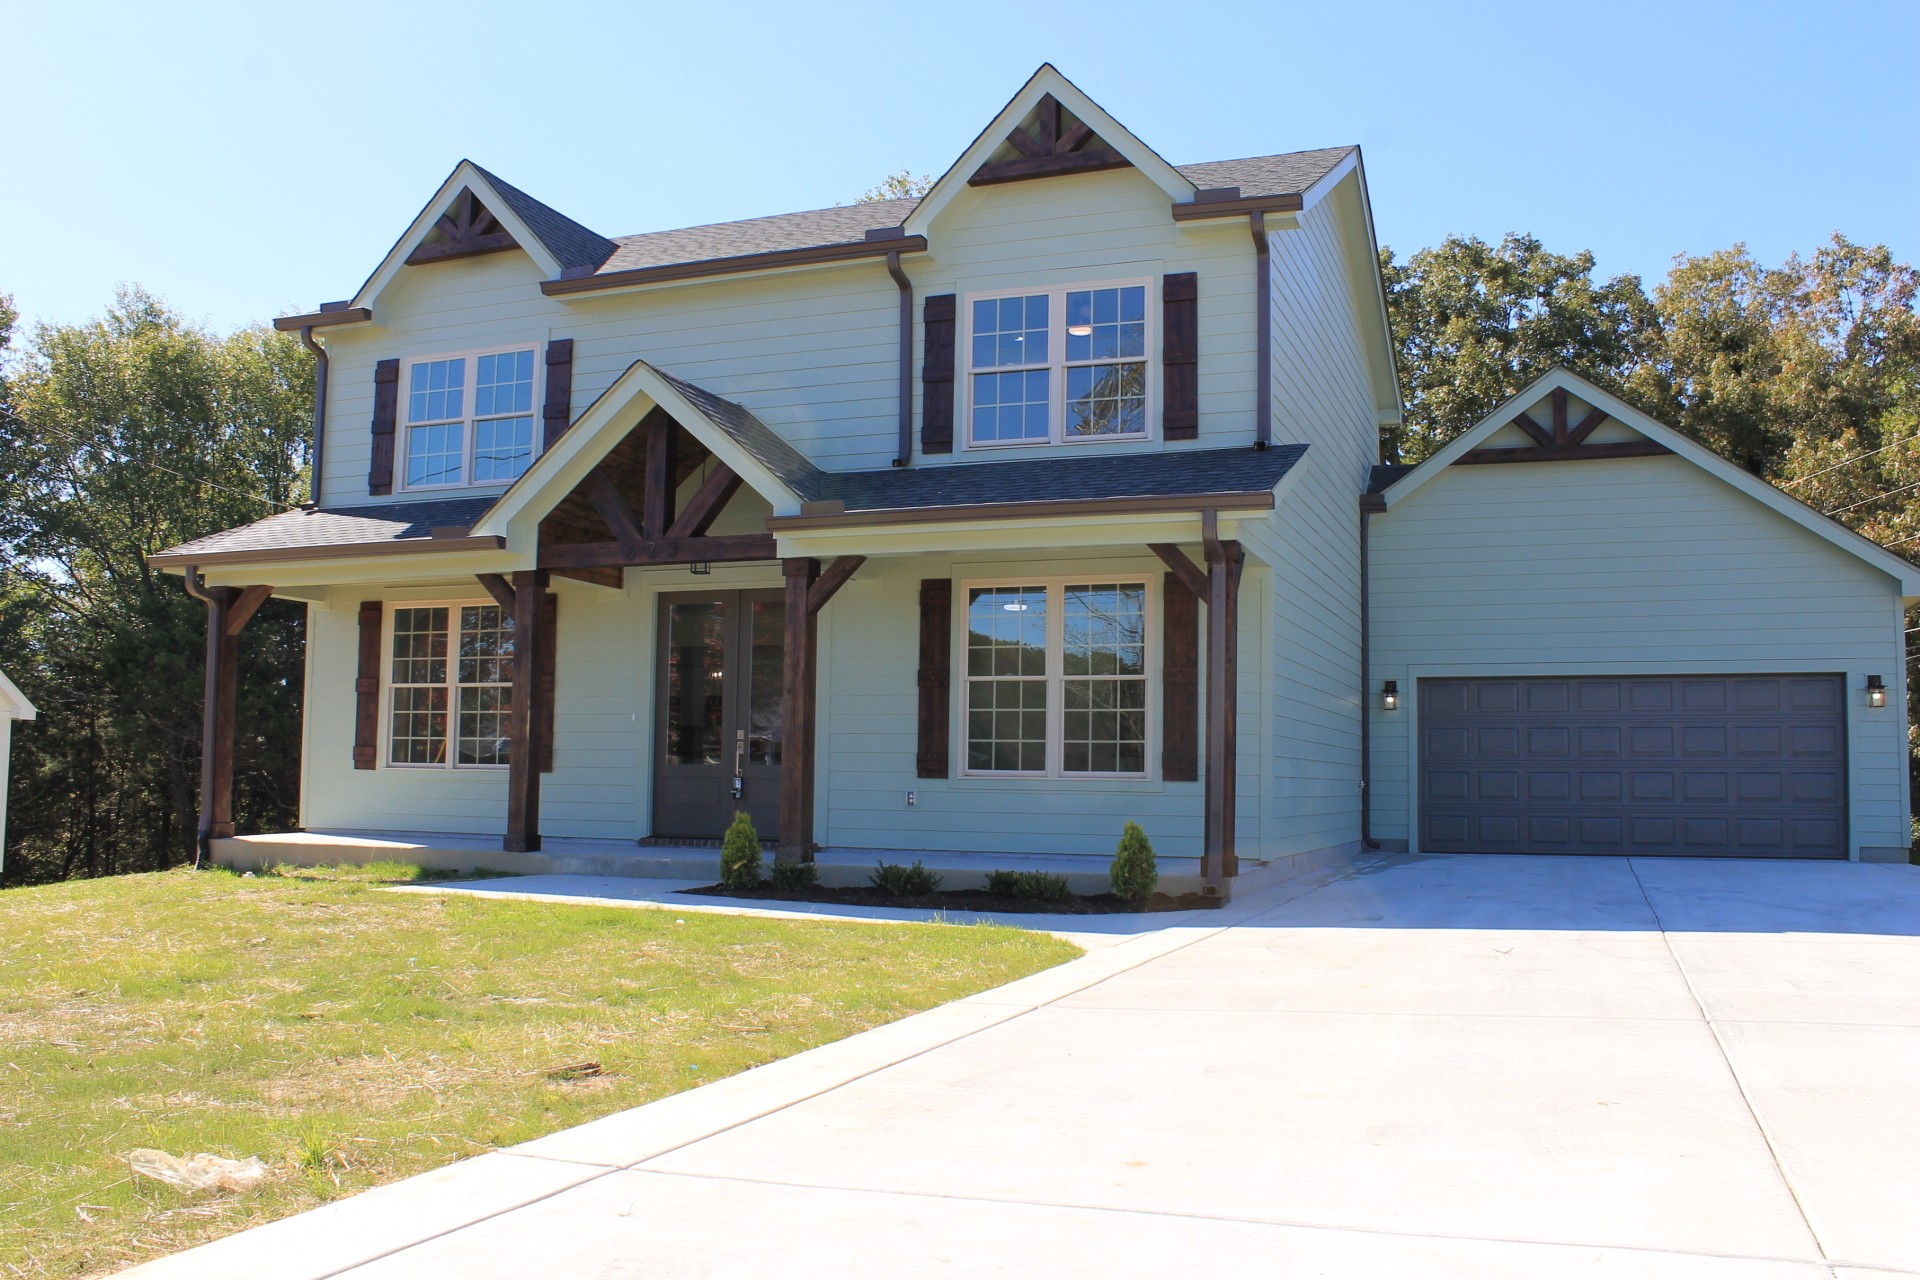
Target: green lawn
349	1037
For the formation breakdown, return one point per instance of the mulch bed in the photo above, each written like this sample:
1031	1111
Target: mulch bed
965	900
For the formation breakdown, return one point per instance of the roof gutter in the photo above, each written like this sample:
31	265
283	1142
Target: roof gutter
904	457
823	515
1263	309
318	460
338	551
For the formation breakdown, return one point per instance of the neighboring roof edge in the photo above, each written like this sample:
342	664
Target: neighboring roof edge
20	708
638	379
465	174
1047	79
1778	500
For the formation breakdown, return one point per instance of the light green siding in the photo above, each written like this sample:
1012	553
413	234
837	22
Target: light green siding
1625	567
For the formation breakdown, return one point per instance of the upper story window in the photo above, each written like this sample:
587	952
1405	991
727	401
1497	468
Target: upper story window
1053	366
469	419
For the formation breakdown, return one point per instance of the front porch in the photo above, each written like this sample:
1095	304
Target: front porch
562	855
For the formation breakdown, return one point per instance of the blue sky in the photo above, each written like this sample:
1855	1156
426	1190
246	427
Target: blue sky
247	160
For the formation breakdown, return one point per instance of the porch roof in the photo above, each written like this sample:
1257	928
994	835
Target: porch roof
339	530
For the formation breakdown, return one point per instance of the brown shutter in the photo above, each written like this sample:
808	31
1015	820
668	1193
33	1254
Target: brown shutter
1179	682
936	678
543	679
558	409
1180	356
936	380
386	404
366	689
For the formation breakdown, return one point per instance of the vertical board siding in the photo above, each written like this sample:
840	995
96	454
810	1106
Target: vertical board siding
1322	396
1625	567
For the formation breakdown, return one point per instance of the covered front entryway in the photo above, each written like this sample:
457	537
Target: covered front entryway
1750	766
720	729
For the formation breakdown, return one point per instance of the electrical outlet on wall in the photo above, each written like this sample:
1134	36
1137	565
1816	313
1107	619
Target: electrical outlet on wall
913	799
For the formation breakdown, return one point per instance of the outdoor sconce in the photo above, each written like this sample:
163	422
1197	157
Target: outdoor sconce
1876	691
1390	695
700	567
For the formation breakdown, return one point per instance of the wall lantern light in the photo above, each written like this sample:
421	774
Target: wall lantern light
1876	691
1390	695
701	567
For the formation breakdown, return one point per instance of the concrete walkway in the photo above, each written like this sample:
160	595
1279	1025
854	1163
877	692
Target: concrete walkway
1474	1067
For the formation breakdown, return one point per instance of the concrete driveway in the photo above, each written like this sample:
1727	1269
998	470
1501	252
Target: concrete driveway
1465	1066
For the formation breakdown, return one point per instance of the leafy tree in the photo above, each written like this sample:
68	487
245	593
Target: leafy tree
121	437
898	186
1475	322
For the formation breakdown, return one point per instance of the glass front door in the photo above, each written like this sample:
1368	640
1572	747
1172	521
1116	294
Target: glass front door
720	733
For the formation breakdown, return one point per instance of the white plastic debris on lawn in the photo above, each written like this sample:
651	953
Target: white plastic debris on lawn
202	1172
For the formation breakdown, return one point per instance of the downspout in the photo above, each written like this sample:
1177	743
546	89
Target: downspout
1371	504
905	455
319	412
1263	293
203	830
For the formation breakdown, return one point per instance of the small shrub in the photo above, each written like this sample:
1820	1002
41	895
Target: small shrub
1042	886
794	877
1004	884
1134	875
904	882
740	854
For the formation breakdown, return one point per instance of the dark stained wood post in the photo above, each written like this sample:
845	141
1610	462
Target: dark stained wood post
523	764
797	689
1218	862
228	610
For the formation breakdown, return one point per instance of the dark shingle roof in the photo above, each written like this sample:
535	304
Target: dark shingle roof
1386	474
1172	473
574	245
340	526
756	437
1281	175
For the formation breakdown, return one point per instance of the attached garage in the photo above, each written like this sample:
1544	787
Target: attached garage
1751	766
1605	639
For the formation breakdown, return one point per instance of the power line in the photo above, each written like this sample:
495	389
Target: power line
1875	498
1850	461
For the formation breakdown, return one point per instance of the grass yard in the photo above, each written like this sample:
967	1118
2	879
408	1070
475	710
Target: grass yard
349	1037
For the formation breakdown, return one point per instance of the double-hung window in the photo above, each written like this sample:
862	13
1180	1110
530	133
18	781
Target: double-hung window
452	678
1056	682
1057	365
469	419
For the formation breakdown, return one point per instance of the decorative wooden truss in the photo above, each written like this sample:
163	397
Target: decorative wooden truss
1563	443
467	229
1050	149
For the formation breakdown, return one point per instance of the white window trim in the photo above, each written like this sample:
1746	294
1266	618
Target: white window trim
404	437
388	684
1057	383
1056	676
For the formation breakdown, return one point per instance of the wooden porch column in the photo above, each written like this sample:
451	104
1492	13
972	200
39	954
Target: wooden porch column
1218	861
523	765
228	610
796	700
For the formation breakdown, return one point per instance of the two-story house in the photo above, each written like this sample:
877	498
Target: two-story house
983	522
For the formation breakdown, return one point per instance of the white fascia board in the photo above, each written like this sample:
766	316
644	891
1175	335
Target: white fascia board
517	514
1370	289
464	175
1821	526
1044	81
13	703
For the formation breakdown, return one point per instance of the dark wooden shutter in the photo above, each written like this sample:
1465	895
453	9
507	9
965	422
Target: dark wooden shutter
558	408
366	689
936	675
545	666
936	379
1179	682
386	405
1180	356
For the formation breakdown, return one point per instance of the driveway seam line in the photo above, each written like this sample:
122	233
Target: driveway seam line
610	1170
1733	1072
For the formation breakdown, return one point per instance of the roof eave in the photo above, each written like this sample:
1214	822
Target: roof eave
773	260
1239	500
326	551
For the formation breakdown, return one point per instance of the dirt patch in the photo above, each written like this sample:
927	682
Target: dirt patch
1095	904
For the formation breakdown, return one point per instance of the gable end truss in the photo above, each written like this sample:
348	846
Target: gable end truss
1564	443
1050	150
467	229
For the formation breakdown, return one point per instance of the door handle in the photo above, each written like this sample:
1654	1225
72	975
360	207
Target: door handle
739	763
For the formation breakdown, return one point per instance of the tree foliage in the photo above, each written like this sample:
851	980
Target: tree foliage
898	186
121	437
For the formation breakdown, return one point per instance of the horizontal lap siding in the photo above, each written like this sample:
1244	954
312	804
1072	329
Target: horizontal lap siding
605	645
1624	567
1321	396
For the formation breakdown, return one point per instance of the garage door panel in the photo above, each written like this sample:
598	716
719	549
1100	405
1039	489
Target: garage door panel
1750	766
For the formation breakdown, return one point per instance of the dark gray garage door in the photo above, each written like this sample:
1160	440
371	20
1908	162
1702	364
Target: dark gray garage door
1740	766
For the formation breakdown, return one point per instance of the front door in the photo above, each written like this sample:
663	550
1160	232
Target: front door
719	734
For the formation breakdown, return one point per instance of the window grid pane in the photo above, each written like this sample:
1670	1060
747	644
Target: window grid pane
497	408
475	680
1010	332
1012	406
1107	400
502	448
436	391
